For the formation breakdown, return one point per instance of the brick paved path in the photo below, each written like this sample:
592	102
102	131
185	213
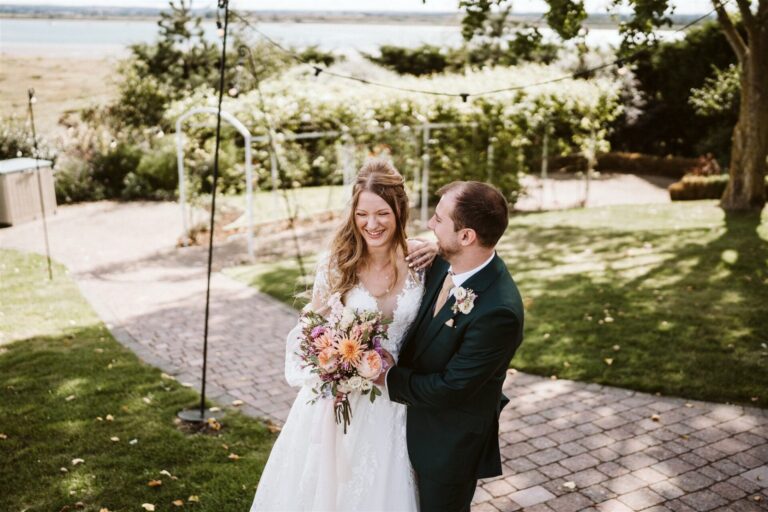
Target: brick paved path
566	446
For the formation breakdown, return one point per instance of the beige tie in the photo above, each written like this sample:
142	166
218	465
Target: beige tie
444	291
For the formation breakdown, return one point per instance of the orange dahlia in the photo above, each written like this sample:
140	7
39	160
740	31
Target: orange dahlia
350	350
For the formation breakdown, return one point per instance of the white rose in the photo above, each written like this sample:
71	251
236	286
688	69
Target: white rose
355	382
366	385
466	307
460	293
344	387
347	317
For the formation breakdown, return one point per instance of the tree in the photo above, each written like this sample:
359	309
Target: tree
749	151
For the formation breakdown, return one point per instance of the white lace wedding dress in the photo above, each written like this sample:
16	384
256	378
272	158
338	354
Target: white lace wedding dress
314	465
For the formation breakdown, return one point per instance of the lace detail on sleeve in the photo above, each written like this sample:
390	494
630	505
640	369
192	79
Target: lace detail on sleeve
294	373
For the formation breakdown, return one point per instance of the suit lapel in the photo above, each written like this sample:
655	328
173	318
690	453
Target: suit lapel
433	284
477	283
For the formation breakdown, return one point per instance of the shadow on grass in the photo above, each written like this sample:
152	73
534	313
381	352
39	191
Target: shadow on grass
677	311
55	395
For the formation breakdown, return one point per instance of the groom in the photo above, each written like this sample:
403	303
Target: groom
455	356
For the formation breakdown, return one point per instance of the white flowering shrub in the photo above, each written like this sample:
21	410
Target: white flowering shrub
498	138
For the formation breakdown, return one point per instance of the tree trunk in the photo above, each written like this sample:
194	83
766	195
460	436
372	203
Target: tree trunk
746	185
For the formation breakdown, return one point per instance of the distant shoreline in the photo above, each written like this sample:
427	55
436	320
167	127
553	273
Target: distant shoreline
372	18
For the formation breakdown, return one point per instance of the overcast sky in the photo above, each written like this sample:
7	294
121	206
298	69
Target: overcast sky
683	6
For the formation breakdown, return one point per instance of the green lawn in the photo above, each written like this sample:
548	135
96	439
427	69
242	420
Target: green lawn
62	374
663	298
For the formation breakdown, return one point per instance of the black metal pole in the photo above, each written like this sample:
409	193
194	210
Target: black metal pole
36	156
200	415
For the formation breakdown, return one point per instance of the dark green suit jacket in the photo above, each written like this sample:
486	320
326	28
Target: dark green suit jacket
450	377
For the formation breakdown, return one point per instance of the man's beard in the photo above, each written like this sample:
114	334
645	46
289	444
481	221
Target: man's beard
446	252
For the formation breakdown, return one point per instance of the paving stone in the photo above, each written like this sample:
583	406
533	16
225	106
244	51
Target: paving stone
547	456
649	475
597	493
481	495
499	488
612	469
624	484
526	480
579	462
672	467
573	448
571	502
636	461
531	496
758	475
728	491
504	504
587	477
667	489
641	499
553	471
612	506
703	501
693	481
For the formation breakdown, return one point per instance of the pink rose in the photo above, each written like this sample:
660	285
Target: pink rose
370	365
328	359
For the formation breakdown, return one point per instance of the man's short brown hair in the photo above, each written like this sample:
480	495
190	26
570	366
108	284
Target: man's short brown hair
480	207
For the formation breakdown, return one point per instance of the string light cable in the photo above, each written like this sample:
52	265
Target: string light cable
621	61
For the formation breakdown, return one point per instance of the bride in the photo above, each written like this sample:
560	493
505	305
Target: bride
313	464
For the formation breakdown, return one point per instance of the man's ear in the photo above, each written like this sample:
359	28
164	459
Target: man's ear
467	237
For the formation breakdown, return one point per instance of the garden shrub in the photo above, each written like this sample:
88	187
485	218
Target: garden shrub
692	188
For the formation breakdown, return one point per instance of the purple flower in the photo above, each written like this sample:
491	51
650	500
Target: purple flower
317	331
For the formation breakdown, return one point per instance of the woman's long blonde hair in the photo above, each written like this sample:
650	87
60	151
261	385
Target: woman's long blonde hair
348	249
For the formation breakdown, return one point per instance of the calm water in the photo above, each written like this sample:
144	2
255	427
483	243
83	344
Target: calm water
106	37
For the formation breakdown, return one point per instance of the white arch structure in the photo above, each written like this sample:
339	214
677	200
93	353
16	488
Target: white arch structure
248	168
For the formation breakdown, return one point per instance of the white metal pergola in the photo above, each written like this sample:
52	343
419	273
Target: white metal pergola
248	138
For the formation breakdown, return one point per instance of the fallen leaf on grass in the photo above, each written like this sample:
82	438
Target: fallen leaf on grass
167	377
155	483
213	424
133	441
755	398
75	462
616	348
178	503
215	409
655	417
70	398
103	509
64	470
146	400
233	456
237	403
3	436
193	499
566	364
110	417
608	361
148	506
114	439
273	428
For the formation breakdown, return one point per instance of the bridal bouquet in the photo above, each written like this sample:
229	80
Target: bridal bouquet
344	350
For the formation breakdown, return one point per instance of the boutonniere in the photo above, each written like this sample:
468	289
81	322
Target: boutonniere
465	300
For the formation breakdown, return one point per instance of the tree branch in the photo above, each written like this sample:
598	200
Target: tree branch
746	14
731	34
762	11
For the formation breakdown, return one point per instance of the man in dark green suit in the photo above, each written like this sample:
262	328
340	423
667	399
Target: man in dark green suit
455	357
